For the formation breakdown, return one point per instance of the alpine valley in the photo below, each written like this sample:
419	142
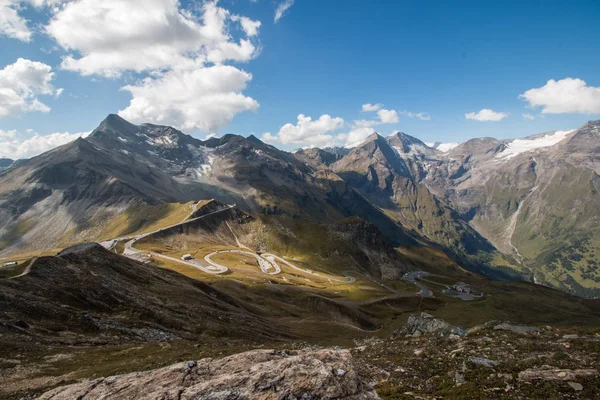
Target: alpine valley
140	247
509	209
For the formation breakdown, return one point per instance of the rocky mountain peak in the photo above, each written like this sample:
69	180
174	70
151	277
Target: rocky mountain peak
405	138
408	145
590	130
374	137
372	144
254	139
114	123
117	133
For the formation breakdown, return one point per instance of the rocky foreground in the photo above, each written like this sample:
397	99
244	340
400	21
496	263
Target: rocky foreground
258	374
427	359
431	359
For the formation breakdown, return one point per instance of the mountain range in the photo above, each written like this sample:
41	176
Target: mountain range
524	208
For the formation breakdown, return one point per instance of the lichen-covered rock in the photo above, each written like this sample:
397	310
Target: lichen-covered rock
259	374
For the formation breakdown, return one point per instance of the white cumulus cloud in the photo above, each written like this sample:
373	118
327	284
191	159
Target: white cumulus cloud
11	23
6	135
281	8
357	135
486	115
307	131
181	54
569	95
21	83
13	146
385	116
388	116
249	26
111	36
202	98
371	107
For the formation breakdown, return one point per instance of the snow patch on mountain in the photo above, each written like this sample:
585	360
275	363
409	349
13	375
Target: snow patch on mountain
160	140
205	159
205	169
519	146
414	150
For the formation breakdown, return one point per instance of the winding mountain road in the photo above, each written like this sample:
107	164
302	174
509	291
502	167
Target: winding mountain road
136	254
265	265
412	277
267	262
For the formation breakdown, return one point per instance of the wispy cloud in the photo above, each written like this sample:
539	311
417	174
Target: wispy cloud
423	116
528	116
281	8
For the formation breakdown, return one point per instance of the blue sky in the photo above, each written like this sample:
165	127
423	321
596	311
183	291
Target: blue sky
321	59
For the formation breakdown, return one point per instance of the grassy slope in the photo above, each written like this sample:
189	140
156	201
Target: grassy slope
309	245
561	239
317	311
133	221
146	219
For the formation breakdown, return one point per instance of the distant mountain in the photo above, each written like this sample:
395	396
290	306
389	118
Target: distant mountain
316	157
5	163
535	198
338	151
509	208
72	193
387	172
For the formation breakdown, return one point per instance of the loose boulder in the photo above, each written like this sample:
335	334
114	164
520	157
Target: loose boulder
423	323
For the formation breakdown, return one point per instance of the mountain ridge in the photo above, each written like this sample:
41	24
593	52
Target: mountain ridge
481	201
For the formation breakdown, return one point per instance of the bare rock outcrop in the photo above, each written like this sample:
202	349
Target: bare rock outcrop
424	323
258	374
